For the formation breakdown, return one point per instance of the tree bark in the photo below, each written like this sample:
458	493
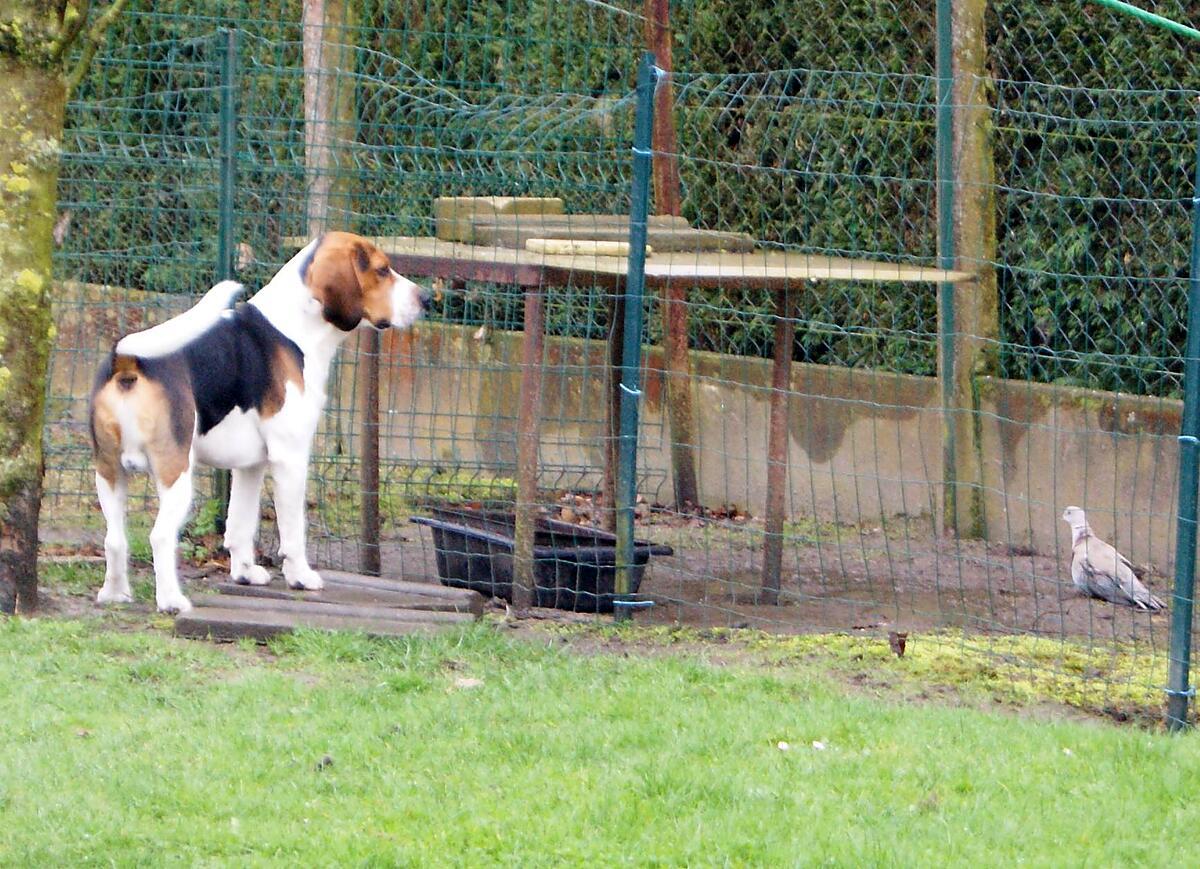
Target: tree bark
31	119
35	41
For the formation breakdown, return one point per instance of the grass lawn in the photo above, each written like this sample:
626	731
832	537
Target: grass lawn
131	747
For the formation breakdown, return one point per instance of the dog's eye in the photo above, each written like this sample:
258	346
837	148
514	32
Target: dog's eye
383	270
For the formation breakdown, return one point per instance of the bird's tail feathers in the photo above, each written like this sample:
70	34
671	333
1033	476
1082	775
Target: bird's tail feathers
171	336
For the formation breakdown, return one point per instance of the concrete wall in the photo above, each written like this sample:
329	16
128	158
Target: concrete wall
864	445
1117	456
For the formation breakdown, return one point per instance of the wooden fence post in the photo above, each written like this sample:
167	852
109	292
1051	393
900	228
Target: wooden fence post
969	310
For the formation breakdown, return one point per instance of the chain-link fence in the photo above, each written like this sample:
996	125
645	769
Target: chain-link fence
813	407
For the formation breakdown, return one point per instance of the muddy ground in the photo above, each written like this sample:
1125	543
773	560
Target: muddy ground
834	578
848	578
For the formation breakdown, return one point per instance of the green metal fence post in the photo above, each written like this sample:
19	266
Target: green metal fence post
225	209
1178	692
631	353
944	144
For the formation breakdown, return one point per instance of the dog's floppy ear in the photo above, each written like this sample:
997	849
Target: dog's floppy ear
362	259
334	277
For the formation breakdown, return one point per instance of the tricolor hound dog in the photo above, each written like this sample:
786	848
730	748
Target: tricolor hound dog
240	388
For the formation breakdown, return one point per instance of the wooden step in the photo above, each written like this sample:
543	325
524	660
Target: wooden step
663	233
471	600
464	227
383	593
226	623
265	604
452	214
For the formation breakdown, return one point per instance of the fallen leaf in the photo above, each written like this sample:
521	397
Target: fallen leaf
467	682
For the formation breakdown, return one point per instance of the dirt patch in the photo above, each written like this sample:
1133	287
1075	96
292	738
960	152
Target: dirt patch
872	583
834	578
851	579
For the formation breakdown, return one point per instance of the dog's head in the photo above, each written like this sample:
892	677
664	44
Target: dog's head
353	281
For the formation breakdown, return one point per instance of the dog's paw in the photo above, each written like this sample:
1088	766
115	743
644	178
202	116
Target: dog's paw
255	574
114	595
303	577
175	604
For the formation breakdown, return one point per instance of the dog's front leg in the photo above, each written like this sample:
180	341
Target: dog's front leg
289	472
241	525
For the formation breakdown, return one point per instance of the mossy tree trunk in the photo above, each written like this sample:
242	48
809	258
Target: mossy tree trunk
34	82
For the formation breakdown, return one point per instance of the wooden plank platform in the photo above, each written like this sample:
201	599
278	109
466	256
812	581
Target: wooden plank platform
220	623
425	589
349	602
274	605
356	590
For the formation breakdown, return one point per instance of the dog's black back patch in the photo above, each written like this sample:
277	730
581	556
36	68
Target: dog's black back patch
233	364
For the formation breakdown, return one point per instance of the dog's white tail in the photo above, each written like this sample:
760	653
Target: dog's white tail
174	334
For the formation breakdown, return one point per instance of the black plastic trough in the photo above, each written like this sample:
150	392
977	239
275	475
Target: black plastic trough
574	566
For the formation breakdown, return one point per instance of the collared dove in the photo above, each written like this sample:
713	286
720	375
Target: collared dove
1098	570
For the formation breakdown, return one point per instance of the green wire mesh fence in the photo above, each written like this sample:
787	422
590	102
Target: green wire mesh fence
812	139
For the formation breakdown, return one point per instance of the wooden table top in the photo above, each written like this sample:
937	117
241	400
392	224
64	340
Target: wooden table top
433	257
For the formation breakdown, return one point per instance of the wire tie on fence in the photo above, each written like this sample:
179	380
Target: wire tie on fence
642	152
1171	692
634	392
634	604
1188	439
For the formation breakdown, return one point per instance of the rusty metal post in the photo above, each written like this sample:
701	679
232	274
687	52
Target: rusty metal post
668	200
777	446
369	353
607	513
528	435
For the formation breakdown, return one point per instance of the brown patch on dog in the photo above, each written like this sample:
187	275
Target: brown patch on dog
125	372
106	437
285	369
352	279
152	409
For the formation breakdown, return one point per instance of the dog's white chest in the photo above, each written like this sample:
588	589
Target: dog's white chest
234	442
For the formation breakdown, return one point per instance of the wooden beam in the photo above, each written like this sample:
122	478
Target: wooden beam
218	623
